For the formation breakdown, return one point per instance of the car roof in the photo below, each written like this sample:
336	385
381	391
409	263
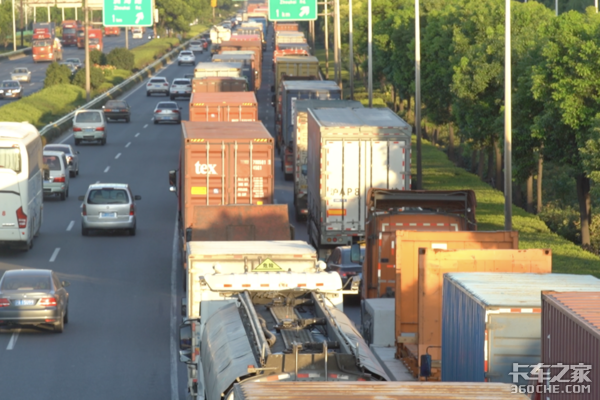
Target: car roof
95	186
66	146
88	111
53	153
9	81
28	271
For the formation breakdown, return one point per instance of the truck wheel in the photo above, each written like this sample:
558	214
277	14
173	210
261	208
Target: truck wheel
288	177
77	141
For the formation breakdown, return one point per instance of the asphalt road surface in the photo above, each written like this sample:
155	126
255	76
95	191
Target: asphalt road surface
121	340
38	71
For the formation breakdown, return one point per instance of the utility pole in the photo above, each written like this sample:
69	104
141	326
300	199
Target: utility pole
21	18
326	40
336	61
338	42
418	93
86	14
75	13
508	123
351	51
14	36
370	53
127	37
556	7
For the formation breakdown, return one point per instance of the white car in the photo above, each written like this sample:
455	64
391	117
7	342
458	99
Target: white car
180	88
196	45
186	57
137	33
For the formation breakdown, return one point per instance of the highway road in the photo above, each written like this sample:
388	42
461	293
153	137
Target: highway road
38	71
121	340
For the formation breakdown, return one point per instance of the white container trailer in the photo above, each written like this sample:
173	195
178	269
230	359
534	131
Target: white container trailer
210	69
350	151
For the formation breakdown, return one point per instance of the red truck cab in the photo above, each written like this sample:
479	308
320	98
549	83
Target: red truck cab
69	32
95	37
45	45
112	31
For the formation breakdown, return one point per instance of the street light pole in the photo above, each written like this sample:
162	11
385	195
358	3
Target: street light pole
14	27
86	14
507	124
370	53
351	51
418	94
338	41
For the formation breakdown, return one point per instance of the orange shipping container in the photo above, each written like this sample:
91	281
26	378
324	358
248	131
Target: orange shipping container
433	264
217	84
407	264
389	211
242	42
224	107
287	26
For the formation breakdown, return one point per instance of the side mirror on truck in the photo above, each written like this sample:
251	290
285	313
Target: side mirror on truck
355	253
185	342
173	180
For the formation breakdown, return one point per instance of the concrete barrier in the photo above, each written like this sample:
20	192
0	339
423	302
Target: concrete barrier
15	54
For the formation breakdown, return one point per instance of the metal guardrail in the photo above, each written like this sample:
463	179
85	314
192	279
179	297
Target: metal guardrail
142	74
11	54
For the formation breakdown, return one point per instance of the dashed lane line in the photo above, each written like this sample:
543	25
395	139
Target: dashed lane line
55	254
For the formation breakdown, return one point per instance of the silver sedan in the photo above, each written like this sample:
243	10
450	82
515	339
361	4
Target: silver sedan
167	111
21	75
72	156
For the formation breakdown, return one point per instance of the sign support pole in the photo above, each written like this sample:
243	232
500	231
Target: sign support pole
14	36
370	54
86	14
351	51
338	41
127	37
418	93
326	40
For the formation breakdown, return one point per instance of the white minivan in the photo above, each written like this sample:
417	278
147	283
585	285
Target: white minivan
137	33
21	180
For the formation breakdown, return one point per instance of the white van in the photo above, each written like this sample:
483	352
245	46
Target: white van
137	33
21	180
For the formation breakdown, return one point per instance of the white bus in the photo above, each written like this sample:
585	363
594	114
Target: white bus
21	180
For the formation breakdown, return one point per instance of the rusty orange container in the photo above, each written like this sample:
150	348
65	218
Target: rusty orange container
407	246
224	107
433	264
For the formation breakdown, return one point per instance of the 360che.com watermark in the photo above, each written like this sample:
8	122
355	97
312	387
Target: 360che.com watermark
551	379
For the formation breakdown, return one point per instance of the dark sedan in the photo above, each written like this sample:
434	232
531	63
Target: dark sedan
33	297
117	109
339	261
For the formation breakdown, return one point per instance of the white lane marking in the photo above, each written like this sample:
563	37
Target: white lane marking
117	156
70	225
13	339
55	254
145	126
137	134
106	169
174	333
128	144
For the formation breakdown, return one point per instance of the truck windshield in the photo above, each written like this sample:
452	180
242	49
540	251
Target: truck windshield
10	158
42	43
69	31
94	41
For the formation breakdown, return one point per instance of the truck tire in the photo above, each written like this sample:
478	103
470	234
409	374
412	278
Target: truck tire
288	177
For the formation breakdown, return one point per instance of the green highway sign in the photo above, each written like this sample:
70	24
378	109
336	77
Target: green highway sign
127	12
292	10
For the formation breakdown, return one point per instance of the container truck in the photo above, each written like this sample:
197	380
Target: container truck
216	84
288	37
219	34
285	26
492	322
80	37
247	60
112	31
351	150
244	45
212	69
265	311
290	92
424	357
570	319
223	107
69	32
45	45
255	64
95	39
374	391
295	66
300	141
251	28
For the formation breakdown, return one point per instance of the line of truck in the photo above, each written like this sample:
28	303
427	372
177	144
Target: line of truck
263	317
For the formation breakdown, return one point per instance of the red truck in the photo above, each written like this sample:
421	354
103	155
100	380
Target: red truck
95	37
69	32
80	37
45	45
112	31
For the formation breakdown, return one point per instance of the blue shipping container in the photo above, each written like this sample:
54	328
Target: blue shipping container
490	321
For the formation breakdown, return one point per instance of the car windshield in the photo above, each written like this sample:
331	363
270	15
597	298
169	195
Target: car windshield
26	282
42	43
185	53
346	256
108	196
181	82
88	117
115	104
167	105
10	158
157	81
73	60
194	43
52	162
10	85
20	71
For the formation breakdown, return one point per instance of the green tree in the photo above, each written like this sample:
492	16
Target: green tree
121	58
174	14
96	78
568	82
57	74
6	22
97	57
